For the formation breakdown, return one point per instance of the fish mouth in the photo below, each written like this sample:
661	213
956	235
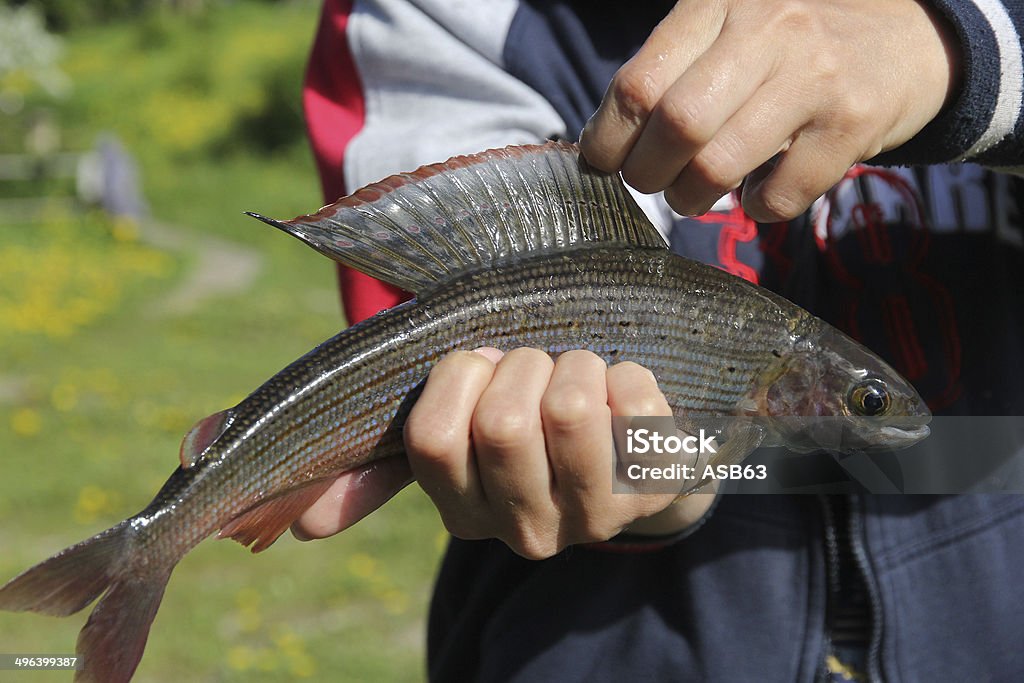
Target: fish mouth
901	436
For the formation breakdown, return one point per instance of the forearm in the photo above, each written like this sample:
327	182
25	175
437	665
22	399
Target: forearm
982	122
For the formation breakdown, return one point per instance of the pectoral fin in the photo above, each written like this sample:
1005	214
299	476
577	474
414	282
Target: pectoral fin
744	438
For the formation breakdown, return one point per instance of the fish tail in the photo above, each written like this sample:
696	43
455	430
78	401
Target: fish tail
69	580
114	638
111	643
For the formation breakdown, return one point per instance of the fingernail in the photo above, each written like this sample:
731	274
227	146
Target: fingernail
490	353
583	131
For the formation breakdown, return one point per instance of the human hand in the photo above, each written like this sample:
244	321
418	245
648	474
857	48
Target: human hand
723	86
519	447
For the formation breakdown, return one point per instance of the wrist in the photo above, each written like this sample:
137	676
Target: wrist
683	513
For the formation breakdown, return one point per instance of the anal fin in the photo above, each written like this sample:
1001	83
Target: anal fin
265	523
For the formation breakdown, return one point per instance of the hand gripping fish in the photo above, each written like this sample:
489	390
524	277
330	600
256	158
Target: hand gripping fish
523	246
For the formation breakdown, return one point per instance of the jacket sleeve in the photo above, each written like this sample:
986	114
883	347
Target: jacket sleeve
984	124
395	84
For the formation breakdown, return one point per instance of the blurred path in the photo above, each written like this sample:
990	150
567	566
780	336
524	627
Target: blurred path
223	268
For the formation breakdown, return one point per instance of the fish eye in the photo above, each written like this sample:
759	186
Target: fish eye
870	398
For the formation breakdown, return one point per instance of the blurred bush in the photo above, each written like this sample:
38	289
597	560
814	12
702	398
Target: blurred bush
63	15
210	89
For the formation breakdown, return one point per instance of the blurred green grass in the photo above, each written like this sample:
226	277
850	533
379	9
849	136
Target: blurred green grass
100	375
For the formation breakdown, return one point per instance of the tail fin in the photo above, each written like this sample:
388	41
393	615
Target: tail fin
111	644
69	580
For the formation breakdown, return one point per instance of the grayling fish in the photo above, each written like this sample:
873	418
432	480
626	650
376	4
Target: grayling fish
525	246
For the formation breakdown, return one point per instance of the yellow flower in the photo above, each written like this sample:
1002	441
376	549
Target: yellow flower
94	502
26	422
362	565
64	397
300	664
250	618
125	229
240	658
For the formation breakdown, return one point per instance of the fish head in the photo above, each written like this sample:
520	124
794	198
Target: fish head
831	393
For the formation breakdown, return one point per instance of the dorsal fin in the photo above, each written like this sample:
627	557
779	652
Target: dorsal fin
417	229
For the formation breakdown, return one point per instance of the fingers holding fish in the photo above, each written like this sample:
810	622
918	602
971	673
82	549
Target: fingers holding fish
351	497
577	433
780	189
693	113
758	131
511	455
475	442
638	87
721	86
437	432
539	439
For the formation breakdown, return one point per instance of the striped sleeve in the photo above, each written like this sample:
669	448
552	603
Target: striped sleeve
395	84
985	123
436	85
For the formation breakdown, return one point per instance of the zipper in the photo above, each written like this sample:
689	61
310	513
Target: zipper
831	574
875	615
834	548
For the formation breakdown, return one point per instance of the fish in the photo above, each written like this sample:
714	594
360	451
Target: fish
520	246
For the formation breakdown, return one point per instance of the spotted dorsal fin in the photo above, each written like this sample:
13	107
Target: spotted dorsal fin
418	229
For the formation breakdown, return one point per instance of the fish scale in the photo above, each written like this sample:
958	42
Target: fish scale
525	246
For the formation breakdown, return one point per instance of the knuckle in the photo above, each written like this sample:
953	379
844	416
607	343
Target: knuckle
430	442
684	119
793	16
634	392
854	116
777	205
633	92
567	408
714	170
531	544
629	372
502	428
643	405
827	69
